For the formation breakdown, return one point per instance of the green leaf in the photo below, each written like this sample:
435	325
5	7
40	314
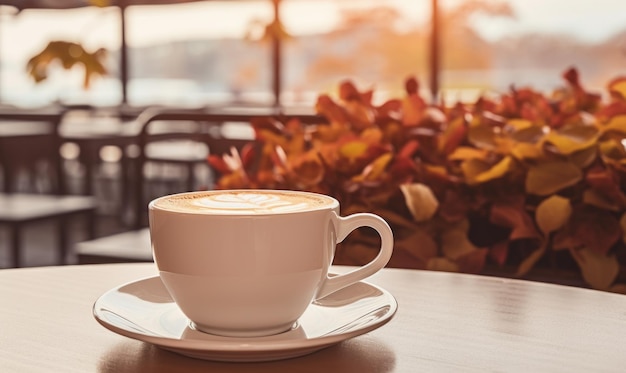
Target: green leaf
523	151
552	213
550	177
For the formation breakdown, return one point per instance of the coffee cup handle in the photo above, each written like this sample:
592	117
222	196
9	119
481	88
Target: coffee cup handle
344	226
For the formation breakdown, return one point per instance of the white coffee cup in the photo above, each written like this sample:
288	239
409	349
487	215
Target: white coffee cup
247	263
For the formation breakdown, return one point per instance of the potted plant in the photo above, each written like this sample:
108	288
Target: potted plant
508	185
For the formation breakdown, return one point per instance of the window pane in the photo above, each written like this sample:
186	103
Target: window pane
489	45
198	53
376	44
27	33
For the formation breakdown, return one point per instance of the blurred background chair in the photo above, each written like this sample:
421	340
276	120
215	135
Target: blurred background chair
173	146
33	182
169	155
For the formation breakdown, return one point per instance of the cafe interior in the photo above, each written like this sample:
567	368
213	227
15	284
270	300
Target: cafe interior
490	135
106	105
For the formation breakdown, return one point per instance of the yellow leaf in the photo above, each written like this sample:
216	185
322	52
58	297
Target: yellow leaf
619	87
573	139
420	201
372	135
616	123
612	149
497	171
524	150
439	170
552	213
353	149
472	168
375	169
598	270
466	152
519	124
550	177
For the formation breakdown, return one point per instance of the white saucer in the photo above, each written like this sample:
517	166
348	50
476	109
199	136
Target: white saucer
145	311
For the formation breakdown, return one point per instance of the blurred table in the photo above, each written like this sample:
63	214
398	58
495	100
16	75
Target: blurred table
445	323
93	134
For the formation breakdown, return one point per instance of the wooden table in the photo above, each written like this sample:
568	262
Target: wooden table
445	323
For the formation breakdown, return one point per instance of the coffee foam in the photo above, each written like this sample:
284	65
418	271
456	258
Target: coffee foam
243	202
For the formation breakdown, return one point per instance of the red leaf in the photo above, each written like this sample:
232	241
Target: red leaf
499	252
390	109
248	154
593	228
218	164
606	183
411	85
348	92
409	149
330	109
571	76
514	216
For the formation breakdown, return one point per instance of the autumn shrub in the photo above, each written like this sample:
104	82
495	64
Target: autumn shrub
516	182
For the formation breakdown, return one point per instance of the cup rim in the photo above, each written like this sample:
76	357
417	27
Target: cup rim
334	203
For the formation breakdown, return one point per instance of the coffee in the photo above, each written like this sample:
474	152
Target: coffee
244	202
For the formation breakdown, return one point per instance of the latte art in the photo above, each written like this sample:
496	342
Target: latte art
243	202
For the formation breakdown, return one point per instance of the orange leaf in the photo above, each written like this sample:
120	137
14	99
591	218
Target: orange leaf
453	136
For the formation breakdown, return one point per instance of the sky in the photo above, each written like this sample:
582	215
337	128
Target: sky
589	20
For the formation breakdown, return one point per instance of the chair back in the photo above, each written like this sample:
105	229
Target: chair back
196	125
29	139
